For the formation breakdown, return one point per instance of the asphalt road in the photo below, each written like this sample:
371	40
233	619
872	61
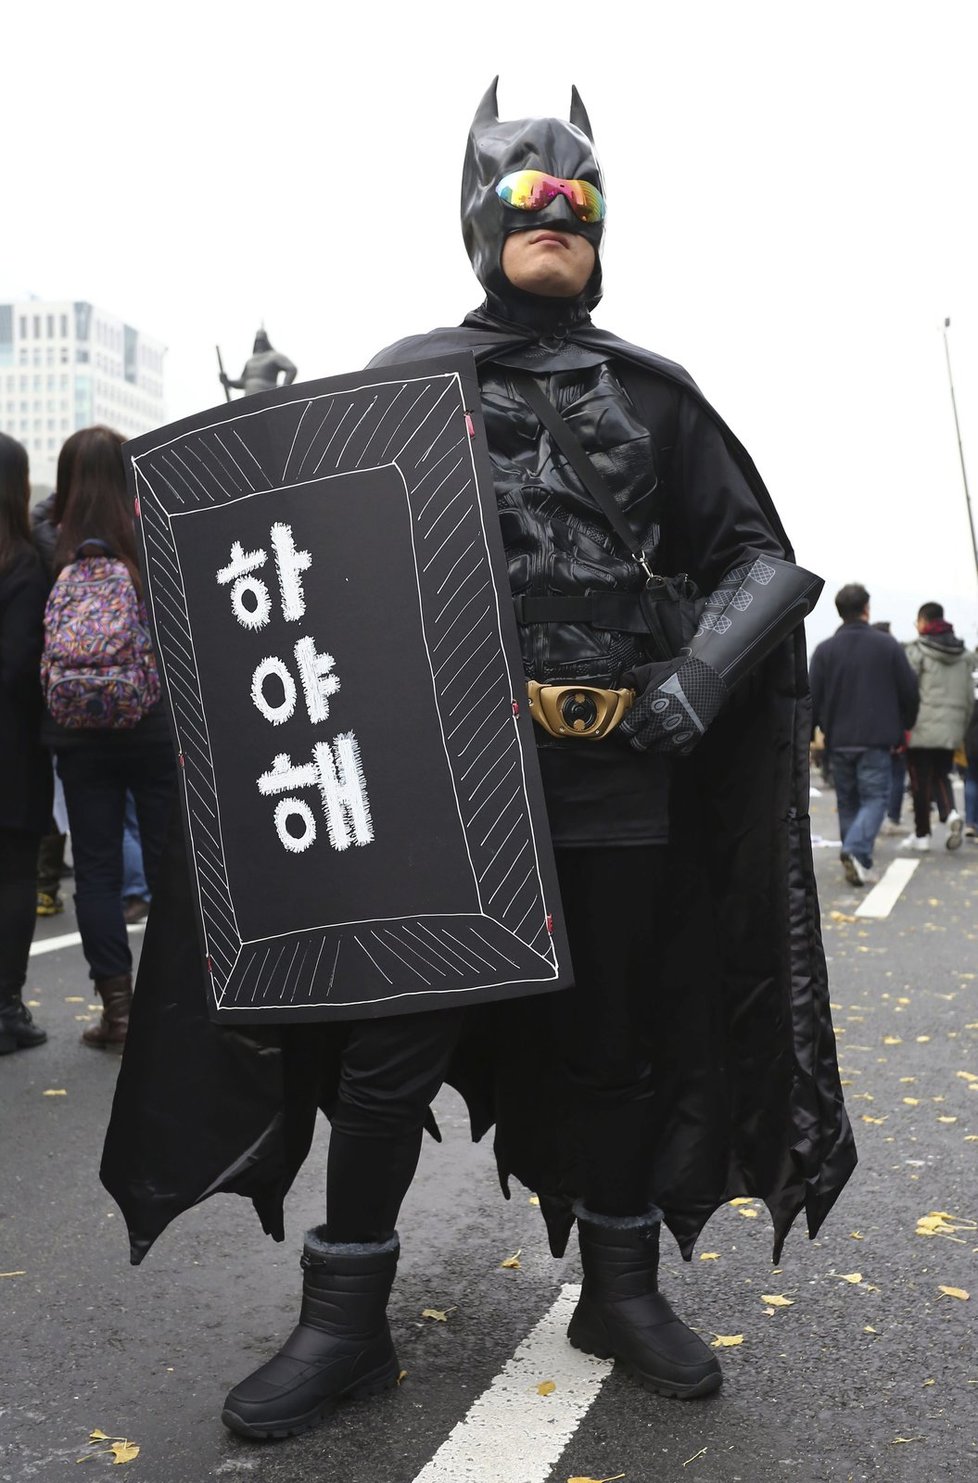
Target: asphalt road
869	1371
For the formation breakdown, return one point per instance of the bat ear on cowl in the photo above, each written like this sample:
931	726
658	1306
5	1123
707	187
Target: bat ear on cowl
578	113
488	110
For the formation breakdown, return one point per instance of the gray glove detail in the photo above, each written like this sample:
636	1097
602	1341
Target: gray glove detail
754	607
676	703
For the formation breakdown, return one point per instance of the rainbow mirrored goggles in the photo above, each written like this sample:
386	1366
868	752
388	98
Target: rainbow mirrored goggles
532	190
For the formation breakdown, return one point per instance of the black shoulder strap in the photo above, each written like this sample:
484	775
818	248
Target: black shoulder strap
534	396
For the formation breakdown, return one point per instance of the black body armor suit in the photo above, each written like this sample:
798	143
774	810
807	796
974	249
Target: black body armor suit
557	543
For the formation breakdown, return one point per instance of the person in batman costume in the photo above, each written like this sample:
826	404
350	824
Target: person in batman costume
694	1061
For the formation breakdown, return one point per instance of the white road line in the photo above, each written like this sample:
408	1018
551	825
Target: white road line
70	939
511	1433
882	898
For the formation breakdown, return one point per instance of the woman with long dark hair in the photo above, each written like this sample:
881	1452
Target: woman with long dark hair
100	758
25	777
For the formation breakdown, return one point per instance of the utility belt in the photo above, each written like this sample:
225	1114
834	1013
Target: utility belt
584	711
664	612
649	611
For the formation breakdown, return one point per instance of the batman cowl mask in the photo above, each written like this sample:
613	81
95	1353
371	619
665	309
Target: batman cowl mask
496	149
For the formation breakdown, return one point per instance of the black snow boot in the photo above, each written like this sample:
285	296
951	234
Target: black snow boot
17	1028
622	1315
342	1347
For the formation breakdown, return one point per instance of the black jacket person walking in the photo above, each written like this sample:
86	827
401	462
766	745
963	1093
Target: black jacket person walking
864	697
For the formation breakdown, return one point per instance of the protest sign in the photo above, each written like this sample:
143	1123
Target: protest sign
326	583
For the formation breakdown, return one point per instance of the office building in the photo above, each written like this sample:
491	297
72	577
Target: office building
68	364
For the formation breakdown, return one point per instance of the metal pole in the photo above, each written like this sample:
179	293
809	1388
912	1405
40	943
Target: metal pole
227	392
957	428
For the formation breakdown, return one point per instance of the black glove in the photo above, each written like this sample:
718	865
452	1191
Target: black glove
676	702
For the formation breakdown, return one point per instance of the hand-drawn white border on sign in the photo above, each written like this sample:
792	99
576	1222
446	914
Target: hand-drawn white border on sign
173	466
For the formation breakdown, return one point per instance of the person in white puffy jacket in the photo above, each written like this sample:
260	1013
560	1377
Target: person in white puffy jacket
944	670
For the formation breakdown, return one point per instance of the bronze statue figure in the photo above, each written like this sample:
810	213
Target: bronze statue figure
261	370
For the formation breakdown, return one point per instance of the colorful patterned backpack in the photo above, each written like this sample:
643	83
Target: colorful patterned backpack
98	670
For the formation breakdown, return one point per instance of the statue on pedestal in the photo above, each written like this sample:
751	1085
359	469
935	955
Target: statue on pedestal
261	370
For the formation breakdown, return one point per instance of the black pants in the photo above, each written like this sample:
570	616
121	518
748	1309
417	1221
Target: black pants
603	1027
18	903
390	1072
930	782
391	1069
96	778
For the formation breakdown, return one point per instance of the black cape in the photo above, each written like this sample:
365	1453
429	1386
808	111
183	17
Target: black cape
750	1097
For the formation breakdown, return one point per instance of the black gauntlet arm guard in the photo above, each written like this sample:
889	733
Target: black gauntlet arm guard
756	605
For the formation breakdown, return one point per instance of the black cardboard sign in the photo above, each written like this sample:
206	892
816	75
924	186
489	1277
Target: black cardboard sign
325	579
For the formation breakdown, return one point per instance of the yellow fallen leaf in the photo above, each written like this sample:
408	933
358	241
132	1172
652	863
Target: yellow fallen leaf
935	1223
401	1376
971	1137
967	1075
749	1213
743	1200
928	1382
546	1387
709	1256
777	1300
727	1341
911	1101
892	1040
440	1315
869	1329
512	1263
840	916
853	1277
98	1436
597	1480
955	1292
905	1439
922	1039
124	1452
55	1092
878	1121
534	1200
857	1236
74	999
13	1274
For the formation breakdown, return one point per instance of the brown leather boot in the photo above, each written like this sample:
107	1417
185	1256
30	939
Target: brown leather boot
116	996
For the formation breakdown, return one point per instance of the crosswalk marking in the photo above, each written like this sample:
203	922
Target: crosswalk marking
882	898
512	1433
68	939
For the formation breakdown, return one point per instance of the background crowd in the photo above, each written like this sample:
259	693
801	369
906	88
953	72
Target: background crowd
83	733
885	712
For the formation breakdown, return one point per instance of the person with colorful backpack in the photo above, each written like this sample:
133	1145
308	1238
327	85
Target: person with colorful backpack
105	718
25	777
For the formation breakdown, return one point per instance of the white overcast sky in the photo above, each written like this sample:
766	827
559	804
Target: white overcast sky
791	215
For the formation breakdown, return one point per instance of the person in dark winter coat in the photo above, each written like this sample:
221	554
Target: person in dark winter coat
864	697
671	1079
51	855
25	777
971	777
944	670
